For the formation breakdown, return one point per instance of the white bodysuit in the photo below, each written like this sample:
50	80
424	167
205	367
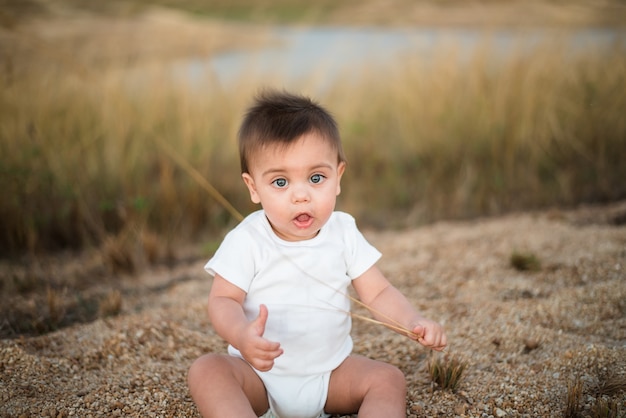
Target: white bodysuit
304	285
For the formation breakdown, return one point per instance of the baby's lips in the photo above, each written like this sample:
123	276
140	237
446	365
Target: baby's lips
303	217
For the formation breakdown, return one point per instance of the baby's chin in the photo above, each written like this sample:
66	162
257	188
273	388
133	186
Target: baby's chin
298	234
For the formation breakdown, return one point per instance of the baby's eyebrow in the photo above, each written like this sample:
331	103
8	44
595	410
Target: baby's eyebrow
280	170
320	166
273	171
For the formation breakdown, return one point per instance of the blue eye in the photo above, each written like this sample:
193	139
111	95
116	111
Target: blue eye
280	183
317	178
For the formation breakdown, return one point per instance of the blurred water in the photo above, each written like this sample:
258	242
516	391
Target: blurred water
319	55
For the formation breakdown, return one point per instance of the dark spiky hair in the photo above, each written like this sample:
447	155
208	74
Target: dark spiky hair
282	118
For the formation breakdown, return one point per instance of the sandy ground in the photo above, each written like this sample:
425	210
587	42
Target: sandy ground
523	335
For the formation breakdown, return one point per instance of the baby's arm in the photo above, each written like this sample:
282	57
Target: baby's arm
228	319
386	301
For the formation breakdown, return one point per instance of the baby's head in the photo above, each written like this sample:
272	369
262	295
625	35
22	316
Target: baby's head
292	163
281	118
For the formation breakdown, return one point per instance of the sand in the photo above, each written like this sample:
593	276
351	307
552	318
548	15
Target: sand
524	335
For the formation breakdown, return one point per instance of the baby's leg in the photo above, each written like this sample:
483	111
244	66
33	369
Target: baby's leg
373	388
226	386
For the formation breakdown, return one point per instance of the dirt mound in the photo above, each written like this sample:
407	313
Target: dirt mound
525	333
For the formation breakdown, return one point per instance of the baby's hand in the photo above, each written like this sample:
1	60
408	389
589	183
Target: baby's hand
258	351
430	334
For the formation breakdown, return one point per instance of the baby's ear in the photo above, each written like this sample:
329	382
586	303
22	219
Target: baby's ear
340	170
254	196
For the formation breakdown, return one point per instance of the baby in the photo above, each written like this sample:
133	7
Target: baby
280	283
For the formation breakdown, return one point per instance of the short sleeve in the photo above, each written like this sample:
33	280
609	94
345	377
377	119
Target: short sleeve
234	260
360	254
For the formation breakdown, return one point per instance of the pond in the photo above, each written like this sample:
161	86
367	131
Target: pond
319	54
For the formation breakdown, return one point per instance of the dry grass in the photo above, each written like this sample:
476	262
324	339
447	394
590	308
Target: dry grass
461	141
573	398
525	261
609	382
446	371
437	142
83	166
606	408
55	307
111	305
604	392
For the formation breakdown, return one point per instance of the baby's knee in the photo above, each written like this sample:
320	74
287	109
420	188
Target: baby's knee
392	376
201	368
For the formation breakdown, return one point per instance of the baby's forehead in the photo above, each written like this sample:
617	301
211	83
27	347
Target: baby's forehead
278	146
270	150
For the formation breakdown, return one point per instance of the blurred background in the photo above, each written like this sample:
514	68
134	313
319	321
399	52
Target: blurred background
447	109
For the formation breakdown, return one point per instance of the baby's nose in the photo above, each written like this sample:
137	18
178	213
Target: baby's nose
300	194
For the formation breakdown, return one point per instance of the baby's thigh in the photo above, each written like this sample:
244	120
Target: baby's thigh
358	377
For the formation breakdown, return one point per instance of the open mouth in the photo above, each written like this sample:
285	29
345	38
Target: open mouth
303	220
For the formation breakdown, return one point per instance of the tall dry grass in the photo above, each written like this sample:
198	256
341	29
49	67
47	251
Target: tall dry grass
450	137
436	139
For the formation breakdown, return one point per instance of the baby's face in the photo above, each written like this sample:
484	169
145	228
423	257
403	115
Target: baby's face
297	185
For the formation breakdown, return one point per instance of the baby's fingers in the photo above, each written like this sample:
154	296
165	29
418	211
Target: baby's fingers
435	340
262	365
263	358
431	337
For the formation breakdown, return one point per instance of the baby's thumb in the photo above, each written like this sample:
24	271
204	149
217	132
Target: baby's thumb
418	332
261	320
